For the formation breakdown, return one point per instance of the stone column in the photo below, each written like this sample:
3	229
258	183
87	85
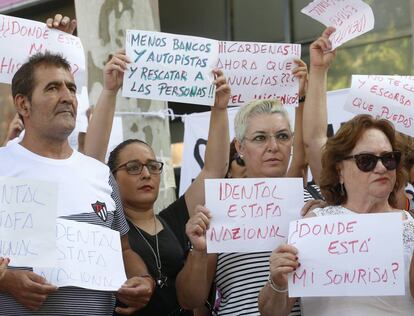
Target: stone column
101	27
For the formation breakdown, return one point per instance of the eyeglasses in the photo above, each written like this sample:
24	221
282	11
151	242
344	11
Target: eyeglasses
262	139
368	162
135	167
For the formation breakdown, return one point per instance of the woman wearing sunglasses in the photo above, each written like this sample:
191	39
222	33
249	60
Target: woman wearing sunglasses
360	172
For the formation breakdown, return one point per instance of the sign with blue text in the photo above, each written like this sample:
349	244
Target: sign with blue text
170	67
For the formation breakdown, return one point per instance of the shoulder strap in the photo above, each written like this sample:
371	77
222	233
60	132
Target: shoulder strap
315	194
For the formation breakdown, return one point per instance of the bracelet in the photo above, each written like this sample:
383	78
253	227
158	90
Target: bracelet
151	278
274	287
302	99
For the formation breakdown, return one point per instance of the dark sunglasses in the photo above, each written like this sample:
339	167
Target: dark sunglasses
238	160
135	167
367	162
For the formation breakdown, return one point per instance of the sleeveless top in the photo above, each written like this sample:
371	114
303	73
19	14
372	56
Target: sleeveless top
367	305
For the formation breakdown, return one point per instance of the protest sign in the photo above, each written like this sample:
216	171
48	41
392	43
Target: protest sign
348	255
27	221
21	38
89	256
170	67
351	18
249	214
260	71
386	97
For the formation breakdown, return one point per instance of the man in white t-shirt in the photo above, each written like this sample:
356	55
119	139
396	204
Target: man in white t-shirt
44	94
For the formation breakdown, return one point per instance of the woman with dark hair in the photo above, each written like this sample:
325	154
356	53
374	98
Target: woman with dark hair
159	239
340	149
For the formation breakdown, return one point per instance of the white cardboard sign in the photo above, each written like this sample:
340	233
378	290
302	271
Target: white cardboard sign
27	221
351	18
348	255
170	67
251	214
386	97
260	71
21	38
89	256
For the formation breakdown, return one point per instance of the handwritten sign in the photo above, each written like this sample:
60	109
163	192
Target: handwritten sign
260	71
250	215
348	255
170	67
387	97
89	256
27	221
20	38
351	18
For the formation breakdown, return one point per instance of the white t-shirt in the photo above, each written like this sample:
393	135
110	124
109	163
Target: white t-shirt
82	182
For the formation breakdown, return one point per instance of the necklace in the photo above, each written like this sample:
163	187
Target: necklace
161	279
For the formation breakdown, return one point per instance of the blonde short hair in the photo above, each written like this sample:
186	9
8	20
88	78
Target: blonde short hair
253	108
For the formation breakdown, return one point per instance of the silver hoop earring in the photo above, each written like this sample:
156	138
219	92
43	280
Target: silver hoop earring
342	189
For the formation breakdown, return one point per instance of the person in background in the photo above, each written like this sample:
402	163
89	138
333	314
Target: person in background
236	167
405	199
62	23
15	128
